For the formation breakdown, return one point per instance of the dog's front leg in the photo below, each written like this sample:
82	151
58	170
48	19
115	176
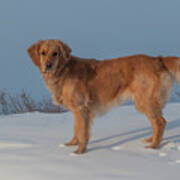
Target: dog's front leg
74	140
82	118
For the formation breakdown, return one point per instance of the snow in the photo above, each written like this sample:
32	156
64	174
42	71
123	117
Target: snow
31	147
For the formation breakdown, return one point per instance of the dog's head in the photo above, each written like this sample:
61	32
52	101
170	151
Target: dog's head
50	55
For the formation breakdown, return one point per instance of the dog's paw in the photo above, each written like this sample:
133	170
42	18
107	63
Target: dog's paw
71	143
152	146
147	140
80	150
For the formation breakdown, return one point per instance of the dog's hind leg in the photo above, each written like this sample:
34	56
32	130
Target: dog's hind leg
158	124
162	125
152	109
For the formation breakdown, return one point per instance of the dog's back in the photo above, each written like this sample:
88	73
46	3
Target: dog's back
122	78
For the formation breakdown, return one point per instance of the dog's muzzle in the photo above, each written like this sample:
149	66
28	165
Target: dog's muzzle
48	66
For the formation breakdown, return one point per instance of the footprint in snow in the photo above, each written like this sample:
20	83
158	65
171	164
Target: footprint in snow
173	148
117	148
163	154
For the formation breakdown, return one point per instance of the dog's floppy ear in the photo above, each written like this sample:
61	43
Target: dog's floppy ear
34	53
66	50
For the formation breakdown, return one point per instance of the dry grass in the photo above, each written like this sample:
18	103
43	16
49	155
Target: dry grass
23	102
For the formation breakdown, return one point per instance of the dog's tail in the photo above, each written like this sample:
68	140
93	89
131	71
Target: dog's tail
172	64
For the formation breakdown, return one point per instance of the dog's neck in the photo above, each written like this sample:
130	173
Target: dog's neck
50	78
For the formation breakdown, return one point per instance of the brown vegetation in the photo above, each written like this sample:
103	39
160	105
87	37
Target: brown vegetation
23	102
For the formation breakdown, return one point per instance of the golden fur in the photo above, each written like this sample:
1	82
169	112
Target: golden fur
89	87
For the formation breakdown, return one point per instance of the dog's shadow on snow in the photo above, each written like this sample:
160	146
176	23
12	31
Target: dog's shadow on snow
170	126
122	138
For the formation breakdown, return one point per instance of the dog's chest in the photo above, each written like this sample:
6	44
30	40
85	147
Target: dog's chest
55	87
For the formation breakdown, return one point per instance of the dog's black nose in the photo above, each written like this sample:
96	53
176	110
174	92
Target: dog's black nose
48	66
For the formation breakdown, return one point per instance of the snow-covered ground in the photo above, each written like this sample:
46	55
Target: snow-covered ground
29	147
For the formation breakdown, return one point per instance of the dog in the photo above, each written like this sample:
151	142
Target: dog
89	87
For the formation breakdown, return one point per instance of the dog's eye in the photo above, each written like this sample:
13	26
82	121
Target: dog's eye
43	53
55	54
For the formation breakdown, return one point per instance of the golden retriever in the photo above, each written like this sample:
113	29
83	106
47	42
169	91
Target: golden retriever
89	87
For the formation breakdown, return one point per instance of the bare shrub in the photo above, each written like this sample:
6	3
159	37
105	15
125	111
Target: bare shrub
23	102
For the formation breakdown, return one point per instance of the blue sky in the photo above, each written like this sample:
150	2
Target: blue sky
96	28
